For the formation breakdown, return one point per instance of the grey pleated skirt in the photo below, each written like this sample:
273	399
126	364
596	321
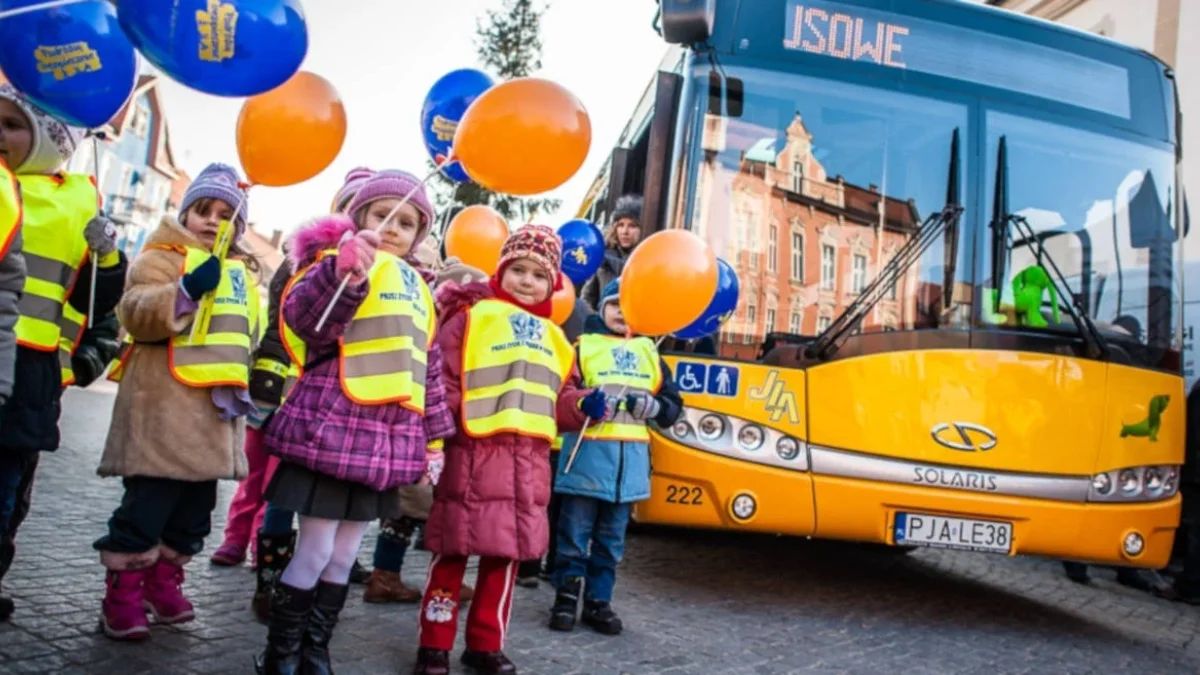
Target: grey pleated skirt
316	495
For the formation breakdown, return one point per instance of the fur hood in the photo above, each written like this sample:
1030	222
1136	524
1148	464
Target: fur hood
326	232
170	233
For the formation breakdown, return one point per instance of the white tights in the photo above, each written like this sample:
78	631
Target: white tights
325	550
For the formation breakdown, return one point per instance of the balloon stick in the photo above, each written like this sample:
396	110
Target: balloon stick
620	395
42	5
91	315
225	236
447	160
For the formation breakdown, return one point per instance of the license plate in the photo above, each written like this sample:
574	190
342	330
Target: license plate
919	529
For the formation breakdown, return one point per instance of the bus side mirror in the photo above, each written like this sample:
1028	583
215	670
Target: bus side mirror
687	22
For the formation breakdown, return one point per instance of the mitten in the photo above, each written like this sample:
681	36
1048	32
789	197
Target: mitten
356	254
266	382
202	279
642	406
594	405
101	236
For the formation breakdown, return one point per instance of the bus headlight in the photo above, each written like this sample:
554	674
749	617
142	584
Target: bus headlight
1135	484
751	437
711	427
1129	481
737	438
787	448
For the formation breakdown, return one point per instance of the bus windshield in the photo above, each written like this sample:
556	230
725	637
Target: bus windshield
818	183
812	190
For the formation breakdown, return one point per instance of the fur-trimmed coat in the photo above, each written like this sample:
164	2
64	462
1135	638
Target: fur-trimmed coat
160	427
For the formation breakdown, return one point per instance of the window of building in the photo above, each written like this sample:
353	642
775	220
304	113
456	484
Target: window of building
797	176
794	324
773	249
140	124
858	277
828	267
798	257
823	322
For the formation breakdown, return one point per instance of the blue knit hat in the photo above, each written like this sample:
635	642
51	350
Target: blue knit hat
611	293
218	181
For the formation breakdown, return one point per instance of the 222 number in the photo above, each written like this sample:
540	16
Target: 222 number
682	494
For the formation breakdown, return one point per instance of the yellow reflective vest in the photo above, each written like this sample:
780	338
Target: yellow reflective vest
72	324
222	357
57	210
10	209
619	366
514	364
383	353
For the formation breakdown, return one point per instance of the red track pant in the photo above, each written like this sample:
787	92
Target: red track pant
487	620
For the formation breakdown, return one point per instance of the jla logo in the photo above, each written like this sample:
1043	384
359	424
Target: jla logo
776	398
67	60
217	26
579	255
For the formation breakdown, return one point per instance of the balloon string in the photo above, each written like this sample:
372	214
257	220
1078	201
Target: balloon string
91	315
346	281
42	5
586	422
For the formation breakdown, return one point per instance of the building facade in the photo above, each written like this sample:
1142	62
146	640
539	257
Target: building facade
136	172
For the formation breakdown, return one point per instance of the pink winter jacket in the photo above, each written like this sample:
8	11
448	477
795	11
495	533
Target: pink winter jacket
492	496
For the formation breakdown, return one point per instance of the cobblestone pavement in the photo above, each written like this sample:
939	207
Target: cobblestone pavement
693	603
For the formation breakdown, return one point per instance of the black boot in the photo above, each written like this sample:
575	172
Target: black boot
601	617
273	553
329	602
359	574
432	662
489	663
566	605
290	610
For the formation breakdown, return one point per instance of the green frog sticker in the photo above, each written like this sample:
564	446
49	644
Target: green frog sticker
1148	428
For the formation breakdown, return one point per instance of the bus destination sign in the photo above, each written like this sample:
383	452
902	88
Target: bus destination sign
914	44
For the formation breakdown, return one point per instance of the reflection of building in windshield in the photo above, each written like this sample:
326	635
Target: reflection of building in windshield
804	244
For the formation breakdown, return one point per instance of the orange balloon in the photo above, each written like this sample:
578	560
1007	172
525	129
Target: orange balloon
562	302
291	133
475	236
667	283
523	137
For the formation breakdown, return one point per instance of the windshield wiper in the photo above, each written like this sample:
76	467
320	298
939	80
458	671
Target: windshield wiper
937	224
1002	221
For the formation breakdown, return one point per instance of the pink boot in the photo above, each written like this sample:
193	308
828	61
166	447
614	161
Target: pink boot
164	594
121	614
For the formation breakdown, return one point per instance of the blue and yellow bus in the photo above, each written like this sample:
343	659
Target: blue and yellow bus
957	235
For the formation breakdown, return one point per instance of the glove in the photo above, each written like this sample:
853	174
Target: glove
101	236
594	405
202	279
642	406
356	254
266	383
435	461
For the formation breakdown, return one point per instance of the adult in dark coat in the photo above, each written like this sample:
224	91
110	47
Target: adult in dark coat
622	236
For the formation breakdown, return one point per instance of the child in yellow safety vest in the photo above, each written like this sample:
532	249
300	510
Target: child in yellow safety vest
368	413
60	233
178	419
510	377
612	467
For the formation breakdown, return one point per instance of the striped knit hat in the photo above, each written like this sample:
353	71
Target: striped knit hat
538	243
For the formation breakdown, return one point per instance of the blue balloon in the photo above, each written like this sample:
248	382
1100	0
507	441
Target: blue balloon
71	61
719	308
583	250
220	47
444	107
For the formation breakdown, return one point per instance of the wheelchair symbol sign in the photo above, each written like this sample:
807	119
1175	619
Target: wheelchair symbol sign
690	377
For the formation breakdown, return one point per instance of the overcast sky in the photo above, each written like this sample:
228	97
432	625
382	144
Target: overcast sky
383	59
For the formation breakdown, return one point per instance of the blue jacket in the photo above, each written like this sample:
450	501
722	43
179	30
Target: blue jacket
615	471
